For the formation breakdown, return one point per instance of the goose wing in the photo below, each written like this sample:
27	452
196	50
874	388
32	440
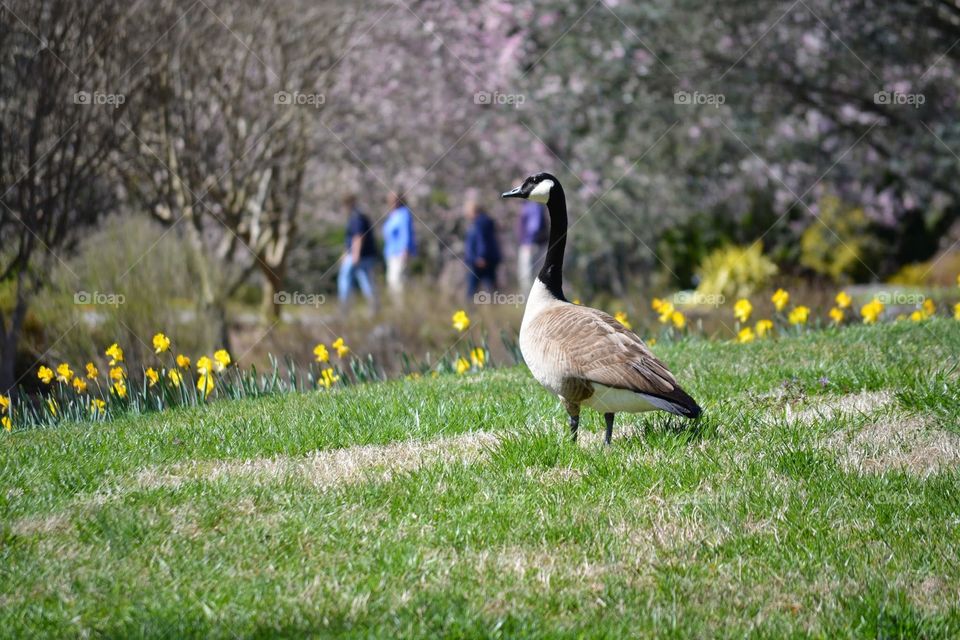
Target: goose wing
591	345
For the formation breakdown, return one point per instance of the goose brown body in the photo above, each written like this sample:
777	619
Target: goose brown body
584	355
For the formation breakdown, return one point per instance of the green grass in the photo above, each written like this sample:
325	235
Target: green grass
819	495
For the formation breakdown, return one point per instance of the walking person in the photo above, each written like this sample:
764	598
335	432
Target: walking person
359	258
532	234
399	245
481	249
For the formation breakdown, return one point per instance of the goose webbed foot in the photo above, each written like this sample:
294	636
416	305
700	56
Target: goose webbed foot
609	419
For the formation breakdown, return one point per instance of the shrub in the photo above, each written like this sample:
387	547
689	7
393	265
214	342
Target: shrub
127	280
735	271
840	244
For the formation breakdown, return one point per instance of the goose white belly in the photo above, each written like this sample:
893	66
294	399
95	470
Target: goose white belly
610	400
544	371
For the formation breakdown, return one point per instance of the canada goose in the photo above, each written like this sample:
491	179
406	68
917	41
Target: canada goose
584	355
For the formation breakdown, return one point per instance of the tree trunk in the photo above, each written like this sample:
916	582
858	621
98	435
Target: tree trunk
10	339
272	281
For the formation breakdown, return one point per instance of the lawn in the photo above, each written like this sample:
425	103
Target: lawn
819	495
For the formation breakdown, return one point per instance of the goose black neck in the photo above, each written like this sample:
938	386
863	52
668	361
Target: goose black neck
551	275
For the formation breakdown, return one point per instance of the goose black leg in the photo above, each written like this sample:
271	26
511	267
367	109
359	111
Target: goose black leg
609	418
574	425
573	410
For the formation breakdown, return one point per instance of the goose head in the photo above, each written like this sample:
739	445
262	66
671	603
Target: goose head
538	187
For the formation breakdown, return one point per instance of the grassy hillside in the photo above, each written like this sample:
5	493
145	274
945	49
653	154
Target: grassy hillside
820	494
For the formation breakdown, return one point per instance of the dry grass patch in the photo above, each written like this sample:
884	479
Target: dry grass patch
331	467
909	443
832	407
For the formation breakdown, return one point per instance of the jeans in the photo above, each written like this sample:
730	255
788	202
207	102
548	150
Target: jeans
529	259
477	277
359	274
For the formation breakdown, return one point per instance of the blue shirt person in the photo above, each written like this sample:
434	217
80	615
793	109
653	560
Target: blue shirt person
360	257
532	234
399	244
481	250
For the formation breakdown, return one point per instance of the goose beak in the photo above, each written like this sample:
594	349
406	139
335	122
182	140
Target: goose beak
513	193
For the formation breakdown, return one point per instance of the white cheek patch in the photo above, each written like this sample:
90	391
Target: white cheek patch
541	193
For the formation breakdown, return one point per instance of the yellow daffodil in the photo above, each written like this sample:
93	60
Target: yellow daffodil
205	384
116	373
120	388
7	423
222	360
843	300
92	371
461	321
799	315
780	299
204	365
871	311
763	327
183	361
152	376
4	403
678	319
341	347
115	354
463	365
666	311
742	310
327	378
652	342
320	353
956	311
918	315
746	335
160	343
656	303
97	406
53	406
64	373
79	385
45	374
175	377
621	317
478	357
837	314
576	301
929	307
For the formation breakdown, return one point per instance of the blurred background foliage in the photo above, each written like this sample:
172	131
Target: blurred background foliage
822	149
